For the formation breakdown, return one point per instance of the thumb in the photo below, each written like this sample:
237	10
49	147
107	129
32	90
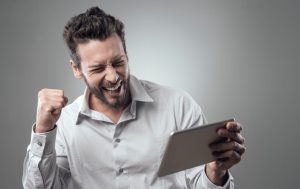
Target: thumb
65	100
56	112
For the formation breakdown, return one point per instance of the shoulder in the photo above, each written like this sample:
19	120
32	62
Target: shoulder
69	113
186	111
157	90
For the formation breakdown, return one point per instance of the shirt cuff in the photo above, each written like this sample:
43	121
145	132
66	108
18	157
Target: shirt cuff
208	184
42	143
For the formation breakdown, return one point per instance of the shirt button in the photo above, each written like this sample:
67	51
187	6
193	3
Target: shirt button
121	170
118	140
40	144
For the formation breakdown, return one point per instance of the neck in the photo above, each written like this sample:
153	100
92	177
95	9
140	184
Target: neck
112	113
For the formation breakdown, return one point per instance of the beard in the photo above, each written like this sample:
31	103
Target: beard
120	100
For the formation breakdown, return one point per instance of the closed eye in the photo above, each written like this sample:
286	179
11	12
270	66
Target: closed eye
98	69
118	63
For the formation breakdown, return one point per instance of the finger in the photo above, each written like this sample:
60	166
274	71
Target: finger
55	92
58	104
234	126
230	155
49	108
53	107
231	135
65	100
62	100
56	111
228	162
225	146
47	97
241	150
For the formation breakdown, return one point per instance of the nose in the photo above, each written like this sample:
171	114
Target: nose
111	74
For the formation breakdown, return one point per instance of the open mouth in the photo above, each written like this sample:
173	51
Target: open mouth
114	88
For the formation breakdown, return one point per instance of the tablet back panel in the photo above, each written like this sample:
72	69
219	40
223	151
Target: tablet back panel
189	148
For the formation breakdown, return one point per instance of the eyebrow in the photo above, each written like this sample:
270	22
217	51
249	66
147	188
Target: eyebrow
118	57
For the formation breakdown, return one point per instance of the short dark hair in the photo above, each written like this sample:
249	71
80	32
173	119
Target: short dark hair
93	24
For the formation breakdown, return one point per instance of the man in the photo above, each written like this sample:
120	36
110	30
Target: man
113	136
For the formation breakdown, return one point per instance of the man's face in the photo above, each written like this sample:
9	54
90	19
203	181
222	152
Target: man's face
104	68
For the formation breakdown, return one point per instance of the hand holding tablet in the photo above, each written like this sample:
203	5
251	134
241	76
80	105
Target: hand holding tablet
192	147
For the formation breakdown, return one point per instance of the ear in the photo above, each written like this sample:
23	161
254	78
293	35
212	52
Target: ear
76	70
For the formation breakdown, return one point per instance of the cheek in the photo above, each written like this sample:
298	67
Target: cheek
123	71
95	80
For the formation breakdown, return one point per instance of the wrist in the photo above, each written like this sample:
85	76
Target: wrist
216	176
43	129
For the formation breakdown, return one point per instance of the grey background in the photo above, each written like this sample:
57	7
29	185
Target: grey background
236	58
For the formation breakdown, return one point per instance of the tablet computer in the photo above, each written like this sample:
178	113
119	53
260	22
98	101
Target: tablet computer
189	148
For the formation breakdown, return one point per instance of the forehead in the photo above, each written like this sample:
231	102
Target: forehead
100	51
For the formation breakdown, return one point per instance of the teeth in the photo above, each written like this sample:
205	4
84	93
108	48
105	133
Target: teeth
115	87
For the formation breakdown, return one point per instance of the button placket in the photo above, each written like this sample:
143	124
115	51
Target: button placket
116	142
116	139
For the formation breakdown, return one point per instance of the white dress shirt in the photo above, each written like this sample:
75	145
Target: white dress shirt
88	149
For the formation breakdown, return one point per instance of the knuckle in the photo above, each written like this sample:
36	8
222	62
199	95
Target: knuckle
242	151
234	145
42	99
242	139
43	90
222	132
61	92
41	93
235	135
62	99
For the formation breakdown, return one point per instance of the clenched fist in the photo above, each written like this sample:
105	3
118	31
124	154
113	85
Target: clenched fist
50	104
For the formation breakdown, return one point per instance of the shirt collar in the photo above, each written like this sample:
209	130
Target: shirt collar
84	107
137	91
